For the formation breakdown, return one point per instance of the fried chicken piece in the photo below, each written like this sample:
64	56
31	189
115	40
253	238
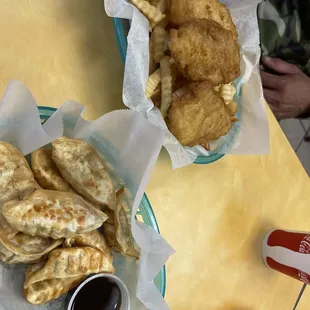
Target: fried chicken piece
199	116
205	51
182	11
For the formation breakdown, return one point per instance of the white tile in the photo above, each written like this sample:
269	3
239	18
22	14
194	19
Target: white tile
306	123
303	154
293	130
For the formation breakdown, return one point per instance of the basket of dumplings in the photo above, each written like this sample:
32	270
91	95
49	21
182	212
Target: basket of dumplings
194	74
62	216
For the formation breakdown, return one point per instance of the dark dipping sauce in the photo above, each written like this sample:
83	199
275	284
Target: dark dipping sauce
98	294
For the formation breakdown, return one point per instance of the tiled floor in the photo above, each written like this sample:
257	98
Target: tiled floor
296	132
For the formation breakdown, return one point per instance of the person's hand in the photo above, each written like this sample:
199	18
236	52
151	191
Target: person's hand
288	91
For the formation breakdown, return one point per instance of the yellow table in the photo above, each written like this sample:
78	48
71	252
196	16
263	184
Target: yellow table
216	215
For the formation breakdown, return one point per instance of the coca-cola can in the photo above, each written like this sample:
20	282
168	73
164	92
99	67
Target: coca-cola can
288	252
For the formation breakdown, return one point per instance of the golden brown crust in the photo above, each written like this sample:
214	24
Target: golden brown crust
199	116
42	292
109	233
16	180
81	166
182	11
91	239
23	248
53	214
205	51
46	173
7	229
70	263
123	233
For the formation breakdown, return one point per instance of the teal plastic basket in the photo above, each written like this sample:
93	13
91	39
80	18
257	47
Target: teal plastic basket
145	212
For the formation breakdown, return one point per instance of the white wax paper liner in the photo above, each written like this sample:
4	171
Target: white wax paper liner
248	136
130	145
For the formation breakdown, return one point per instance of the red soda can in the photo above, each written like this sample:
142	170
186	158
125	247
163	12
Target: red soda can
288	252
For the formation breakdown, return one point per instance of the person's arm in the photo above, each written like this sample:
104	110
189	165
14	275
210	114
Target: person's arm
287	91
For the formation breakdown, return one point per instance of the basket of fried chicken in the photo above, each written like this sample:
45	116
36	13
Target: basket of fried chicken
197	75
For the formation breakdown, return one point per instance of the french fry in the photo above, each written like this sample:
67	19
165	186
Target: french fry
152	83
228	92
166	85
153	14
179	93
162	5
154	80
153	2
164	23
156	97
158	38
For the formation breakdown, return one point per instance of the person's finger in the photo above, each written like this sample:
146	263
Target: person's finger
270	80
276	111
279	65
271	96
273	99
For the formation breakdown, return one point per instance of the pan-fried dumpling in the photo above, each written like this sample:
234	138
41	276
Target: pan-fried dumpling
42	292
109	233
34	244
109	229
110	215
81	166
45	291
7	229
116	229
46	173
16	179
92	239
123	232
53	214
68	263
5	254
23	248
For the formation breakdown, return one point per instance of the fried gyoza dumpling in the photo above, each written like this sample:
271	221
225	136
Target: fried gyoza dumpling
118	234
68	263
53	214
45	291
123	232
82	167
109	232
91	239
16	180
42	292
182	11
5	254
200	116
24	248
205	51
8	230
110	215
46	172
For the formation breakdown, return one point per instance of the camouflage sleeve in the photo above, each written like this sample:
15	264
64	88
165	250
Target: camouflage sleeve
285	30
